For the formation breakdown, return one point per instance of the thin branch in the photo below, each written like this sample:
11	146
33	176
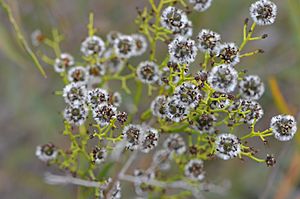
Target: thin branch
58	179
127	164
20	37
196	190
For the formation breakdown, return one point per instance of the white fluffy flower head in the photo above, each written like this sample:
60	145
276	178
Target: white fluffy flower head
229	53
158	106
140	44
64	61
93	45
194	169
176	110
115	99
125	46
104	113
251	87
46	152
227	146
76	114
284	127
182	50
175	144
96	97
173	19
149	139
200	5
223	78
78	74
112	36
263	12
75	93
186	31
147	72
208	41
189	94
132	134
205	123
99	155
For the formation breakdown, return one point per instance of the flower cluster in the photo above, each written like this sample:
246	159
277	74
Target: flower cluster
102	104
140	137
189	115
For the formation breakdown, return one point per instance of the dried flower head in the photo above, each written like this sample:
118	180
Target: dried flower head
227	146
93	45
96	70
147	72
194	169
140	44
104	113
64	61
182	50
37	37
270	160
175	144
193	150
115	99
229	53
133	136
46	152
263	12
176	110
125	46
208	41
97	96
186	31
149	139
158	106
75	93
223	78
173	19
112	36
76	114
78	74
283	127
201	76
251	87
188	93
205	123
200	5
99	155
122	117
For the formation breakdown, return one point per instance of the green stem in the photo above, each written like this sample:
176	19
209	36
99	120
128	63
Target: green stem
249	155
248	37
20	37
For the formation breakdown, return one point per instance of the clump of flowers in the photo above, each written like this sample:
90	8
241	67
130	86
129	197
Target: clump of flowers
208	40
190	117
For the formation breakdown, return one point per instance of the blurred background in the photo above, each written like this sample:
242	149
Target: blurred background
30	113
